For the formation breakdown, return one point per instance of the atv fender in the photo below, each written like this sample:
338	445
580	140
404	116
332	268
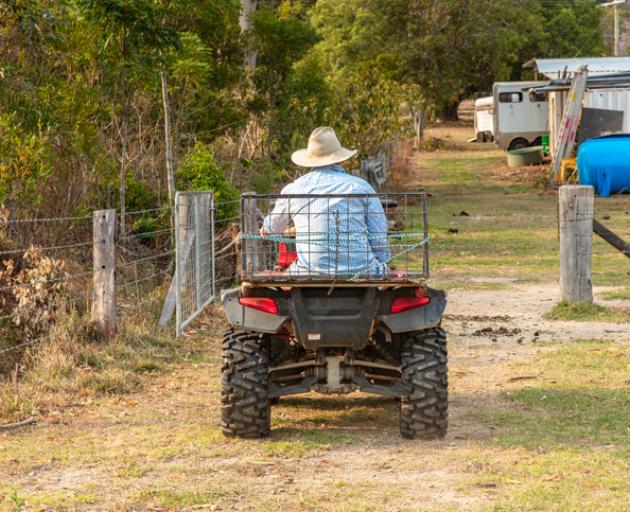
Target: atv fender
248	319
427	317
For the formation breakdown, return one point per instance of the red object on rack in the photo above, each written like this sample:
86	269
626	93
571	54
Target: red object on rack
285	256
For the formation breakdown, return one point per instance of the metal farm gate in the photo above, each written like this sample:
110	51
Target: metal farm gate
194	255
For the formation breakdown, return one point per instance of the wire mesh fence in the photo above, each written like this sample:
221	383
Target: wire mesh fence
145	256
194	249
334	237
46	272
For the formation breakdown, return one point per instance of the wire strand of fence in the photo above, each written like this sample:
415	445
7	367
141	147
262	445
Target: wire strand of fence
54	306
148	258
48	219
140	302
148	210
69	277
22	345
145	234
48	248
126	284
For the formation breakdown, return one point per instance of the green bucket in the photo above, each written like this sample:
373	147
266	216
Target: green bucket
545	144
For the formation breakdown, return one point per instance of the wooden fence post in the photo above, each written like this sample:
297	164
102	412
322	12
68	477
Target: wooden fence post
104	278
576	242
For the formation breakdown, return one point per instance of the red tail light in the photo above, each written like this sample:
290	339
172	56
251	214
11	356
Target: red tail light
401	304
263	304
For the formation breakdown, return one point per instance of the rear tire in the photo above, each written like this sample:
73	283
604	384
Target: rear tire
245	409
424	400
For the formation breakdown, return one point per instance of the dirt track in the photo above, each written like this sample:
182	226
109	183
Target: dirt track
156	450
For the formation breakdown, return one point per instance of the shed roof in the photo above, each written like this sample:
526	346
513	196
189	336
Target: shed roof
555	68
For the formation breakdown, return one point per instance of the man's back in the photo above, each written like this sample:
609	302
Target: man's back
335	234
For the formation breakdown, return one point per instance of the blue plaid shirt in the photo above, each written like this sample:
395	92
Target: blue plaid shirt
334	235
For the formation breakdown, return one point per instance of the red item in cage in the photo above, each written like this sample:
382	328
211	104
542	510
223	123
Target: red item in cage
285	256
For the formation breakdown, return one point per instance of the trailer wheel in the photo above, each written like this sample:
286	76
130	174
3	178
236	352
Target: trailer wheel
245	404
519	143
424	399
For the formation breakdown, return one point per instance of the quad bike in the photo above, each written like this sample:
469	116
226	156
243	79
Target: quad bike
291	336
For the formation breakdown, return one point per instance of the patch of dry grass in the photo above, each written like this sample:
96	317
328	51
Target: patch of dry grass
72	365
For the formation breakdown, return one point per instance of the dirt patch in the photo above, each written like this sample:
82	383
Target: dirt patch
478	318
493	332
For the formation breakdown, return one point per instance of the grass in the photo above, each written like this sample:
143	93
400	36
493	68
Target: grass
291	444
623	294
73	365
586	312
511	229
567	434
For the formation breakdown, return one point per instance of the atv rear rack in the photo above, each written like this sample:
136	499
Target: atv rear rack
334	239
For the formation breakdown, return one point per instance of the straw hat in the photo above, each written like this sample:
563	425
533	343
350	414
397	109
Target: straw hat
323	149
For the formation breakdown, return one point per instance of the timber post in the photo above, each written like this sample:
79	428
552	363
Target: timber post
576	242
104	278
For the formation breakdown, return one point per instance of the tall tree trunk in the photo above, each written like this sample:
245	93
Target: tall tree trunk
168	142
248	8
419	122
125	119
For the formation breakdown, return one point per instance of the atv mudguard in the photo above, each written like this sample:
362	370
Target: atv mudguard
252	320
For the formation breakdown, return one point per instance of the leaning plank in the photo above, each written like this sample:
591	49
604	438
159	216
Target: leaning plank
19	424
169	303
618	243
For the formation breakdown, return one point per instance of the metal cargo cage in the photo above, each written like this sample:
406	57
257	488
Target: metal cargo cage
335	238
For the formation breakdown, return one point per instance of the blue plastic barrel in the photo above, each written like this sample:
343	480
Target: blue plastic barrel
604	163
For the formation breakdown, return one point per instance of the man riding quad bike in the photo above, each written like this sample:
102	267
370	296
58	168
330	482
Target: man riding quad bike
332	314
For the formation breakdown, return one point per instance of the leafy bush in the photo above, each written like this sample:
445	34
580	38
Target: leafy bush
138	195
25	160
200	171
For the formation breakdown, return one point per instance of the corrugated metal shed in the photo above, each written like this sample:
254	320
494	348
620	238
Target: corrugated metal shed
615	81
556	68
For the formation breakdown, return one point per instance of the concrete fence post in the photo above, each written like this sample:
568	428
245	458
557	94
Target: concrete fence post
576	242
104	277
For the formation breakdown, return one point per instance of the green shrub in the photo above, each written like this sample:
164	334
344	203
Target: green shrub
200	171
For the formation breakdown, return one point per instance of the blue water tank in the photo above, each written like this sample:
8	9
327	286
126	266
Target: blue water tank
604	163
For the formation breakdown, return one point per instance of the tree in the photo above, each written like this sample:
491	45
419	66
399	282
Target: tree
451	49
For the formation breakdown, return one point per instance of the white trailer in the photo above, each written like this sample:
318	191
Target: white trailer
484	119
520	119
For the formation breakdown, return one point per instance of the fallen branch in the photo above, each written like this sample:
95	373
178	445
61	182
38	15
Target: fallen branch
19	424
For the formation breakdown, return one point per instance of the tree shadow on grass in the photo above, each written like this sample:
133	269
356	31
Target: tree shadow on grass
339	414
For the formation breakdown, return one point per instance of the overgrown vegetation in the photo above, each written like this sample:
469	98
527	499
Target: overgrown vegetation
74	364
82	104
